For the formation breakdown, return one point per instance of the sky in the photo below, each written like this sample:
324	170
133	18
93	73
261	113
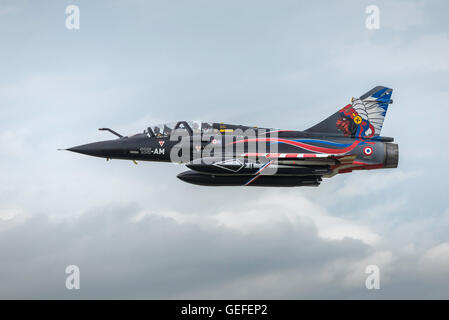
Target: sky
136	231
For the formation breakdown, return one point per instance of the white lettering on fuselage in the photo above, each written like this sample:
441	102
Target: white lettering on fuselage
159	151
147	150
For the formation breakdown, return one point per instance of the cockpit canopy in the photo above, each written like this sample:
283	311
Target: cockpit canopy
165	129
192	128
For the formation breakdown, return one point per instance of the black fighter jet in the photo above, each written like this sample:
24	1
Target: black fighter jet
219	154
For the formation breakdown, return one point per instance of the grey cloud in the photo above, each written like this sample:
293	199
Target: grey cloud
160	257
156	257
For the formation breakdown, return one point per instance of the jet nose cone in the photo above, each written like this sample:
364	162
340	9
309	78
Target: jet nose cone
92	149
112	149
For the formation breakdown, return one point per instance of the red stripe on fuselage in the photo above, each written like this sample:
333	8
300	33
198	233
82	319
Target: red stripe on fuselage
304	145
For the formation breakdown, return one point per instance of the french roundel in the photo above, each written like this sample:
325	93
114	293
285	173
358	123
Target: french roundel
368	151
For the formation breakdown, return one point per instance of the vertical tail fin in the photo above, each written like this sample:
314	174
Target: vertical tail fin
362	118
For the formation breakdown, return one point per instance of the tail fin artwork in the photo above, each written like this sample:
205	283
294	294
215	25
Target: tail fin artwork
363	118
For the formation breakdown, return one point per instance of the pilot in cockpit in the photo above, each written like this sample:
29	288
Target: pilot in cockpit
196	128
157	131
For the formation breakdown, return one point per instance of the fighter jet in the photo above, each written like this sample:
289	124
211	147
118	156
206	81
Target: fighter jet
219	154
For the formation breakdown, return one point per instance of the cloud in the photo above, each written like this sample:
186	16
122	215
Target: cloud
299	209
257	215
402	15
435	261
124	251
8	213
370	184
154	257
357	273
427	53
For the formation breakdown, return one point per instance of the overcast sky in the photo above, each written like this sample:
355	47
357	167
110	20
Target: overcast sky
138	231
